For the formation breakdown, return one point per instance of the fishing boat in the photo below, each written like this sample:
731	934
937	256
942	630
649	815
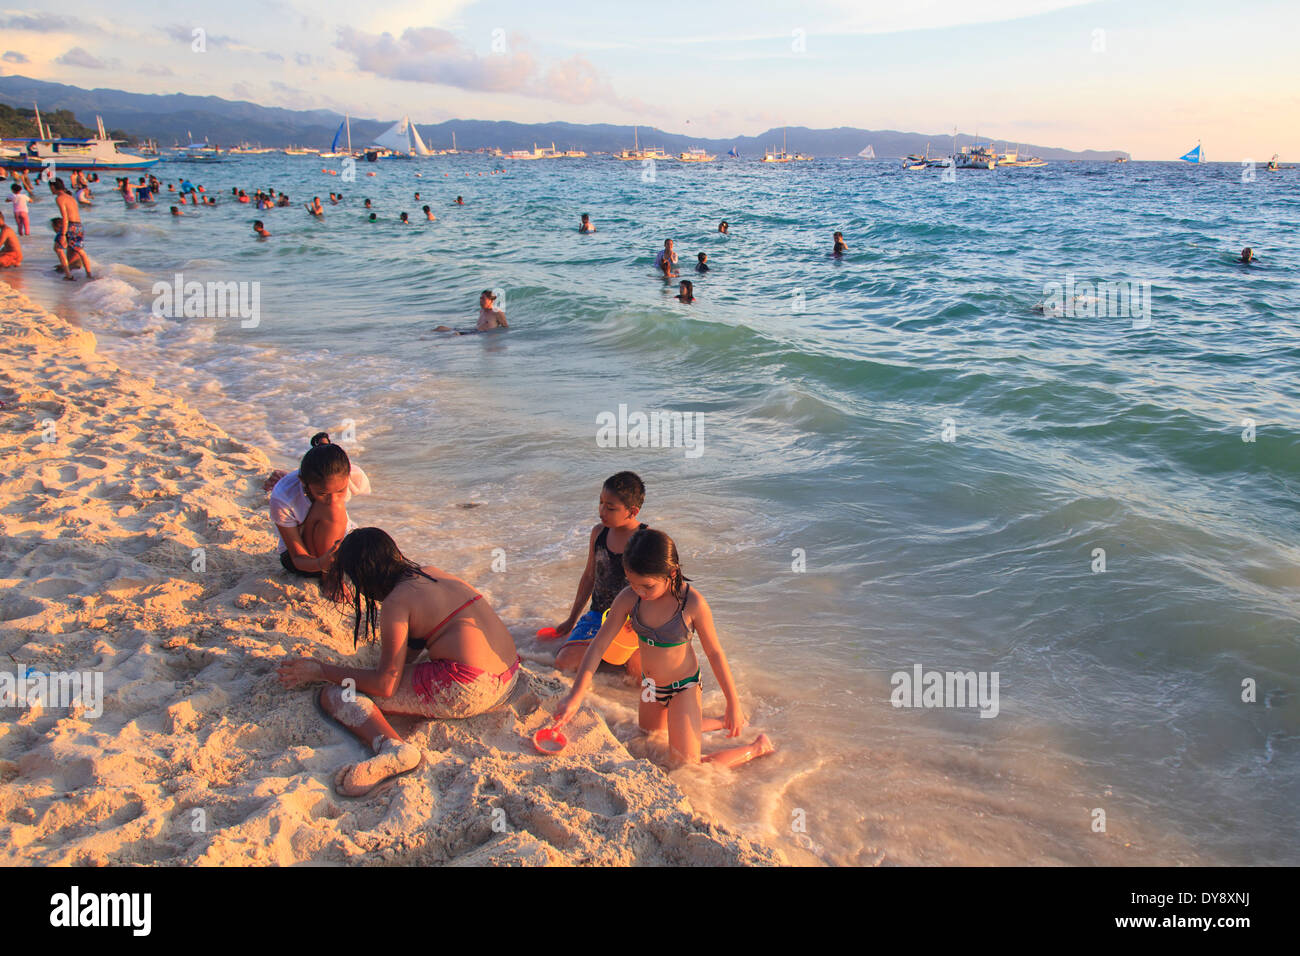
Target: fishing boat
1011	157
244	149
401	140
299	151
1121	159
574	154
772	156
695	155
1194	155
976	157
94	152
533	153
638	152
1273	165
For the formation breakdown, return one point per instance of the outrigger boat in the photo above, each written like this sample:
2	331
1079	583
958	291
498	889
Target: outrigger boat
95	152
695	155
636	152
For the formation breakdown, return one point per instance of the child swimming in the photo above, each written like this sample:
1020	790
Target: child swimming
621	499
702	265
841	246
671	697
472	663
686	291
428	214
586	225
260	230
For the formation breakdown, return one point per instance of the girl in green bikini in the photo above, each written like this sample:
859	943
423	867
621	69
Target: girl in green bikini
663	610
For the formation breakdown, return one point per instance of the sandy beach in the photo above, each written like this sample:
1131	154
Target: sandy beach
134	542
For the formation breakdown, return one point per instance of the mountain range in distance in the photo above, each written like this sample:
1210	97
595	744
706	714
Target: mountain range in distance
171	118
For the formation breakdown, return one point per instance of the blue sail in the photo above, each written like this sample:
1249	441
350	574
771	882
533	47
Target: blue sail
733	152
1194	156
334	146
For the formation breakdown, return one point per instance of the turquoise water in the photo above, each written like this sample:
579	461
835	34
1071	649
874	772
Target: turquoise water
824	387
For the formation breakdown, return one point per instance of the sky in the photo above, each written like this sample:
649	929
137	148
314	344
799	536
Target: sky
1145	76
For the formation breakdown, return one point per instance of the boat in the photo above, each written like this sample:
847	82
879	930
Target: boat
801	158
695	155
574	154
244	149
1121	159
867	153
533	153
1194	155
401	140
334	152
299	151
1012	158
94	152
638	152
734	152
1273	165
976	157
772	156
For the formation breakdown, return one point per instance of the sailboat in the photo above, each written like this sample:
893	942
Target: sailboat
402	140
734	152
1194	155
334	146
867	153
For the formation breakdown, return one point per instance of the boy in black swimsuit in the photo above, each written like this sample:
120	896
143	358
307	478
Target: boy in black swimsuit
621	499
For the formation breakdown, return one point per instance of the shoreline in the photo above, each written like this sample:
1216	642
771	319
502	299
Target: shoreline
111	486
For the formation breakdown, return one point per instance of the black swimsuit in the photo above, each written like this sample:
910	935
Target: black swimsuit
610	576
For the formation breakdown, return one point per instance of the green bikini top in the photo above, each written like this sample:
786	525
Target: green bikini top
653	636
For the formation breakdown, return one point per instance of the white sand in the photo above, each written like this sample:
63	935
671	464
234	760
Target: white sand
199	755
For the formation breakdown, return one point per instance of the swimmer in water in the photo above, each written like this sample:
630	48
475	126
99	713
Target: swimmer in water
405	220
686	292
460	201
417	197
314	207
176	211
586	225
666	258
489	317
373	217
841	246
666	266
428	214
722	227
1247	256
260	230
703	264
367	203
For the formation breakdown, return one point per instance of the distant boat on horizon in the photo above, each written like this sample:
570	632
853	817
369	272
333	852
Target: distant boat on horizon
1195	155
402	140
867	153
734	152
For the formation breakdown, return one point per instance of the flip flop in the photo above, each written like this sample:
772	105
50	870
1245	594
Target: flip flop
381	787
547	634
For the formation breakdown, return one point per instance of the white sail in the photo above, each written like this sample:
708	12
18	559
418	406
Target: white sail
418	144
868	153
402	138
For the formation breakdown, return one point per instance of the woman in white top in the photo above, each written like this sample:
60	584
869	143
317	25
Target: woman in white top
308	508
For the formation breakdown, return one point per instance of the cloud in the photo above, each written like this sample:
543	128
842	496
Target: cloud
184	34
80	58
149	69
39	22
436	56
292	97
13	56
242	90
272	55
431	55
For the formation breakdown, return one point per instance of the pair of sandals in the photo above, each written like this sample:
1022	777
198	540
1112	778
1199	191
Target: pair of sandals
380	787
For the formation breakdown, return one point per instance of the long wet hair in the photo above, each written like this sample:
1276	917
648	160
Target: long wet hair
373	565
652	554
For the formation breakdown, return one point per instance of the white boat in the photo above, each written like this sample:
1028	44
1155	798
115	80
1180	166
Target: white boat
95	152
637	152
695	155
772	156
1012	158
867	153
402	140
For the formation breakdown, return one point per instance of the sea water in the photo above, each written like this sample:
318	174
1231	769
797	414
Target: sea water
922	458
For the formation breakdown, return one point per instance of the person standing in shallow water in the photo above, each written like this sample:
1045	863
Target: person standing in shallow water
472	665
